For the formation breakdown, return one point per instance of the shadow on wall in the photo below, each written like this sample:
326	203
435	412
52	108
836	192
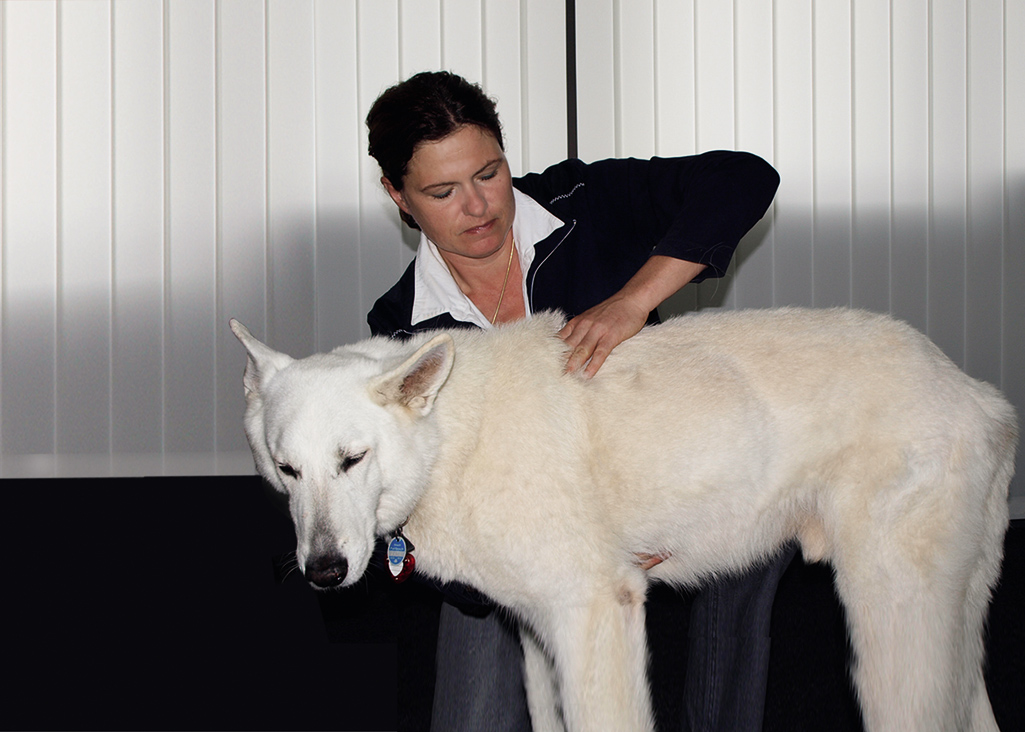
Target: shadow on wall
96	375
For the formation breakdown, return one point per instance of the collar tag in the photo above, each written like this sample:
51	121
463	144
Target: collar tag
401	561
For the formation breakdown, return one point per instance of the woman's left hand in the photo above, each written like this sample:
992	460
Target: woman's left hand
594	333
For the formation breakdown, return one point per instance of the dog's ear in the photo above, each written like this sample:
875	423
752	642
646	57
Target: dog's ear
416	383
263	361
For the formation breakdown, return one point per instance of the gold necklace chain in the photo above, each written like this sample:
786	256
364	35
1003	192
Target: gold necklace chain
508	268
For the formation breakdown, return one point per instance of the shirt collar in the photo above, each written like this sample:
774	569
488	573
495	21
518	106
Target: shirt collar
436	292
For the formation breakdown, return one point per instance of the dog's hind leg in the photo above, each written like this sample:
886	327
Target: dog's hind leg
542	690
600	654
916	610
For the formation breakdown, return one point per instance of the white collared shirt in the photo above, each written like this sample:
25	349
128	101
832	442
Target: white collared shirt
436	292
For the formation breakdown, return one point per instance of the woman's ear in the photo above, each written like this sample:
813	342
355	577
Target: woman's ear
396	195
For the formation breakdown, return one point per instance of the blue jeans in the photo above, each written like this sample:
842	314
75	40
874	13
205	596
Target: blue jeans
479	683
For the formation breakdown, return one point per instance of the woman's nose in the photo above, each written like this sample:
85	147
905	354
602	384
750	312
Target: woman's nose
476	204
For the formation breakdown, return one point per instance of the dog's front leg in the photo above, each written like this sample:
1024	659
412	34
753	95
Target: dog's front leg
542	690
600	654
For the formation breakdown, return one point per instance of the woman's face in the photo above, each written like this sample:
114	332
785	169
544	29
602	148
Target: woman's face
459	190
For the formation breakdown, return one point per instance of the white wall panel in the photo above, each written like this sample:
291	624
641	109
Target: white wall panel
82	413
985	200
1013	264
675	120
634	56
753	263
167	165
543	69
948	176
870	124
910	159
191	219
502	74
242	251
831	153
714	75
137	358
597	79
340	148
894	126
30	232
291	173
793	64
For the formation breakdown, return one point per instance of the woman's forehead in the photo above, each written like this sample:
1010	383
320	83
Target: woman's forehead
464	152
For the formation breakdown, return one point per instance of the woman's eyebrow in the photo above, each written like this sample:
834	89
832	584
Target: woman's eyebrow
442	184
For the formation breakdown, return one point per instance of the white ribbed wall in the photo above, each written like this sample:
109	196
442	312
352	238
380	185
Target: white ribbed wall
168	165
897	126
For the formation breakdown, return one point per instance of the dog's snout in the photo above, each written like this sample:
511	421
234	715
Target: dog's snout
328	570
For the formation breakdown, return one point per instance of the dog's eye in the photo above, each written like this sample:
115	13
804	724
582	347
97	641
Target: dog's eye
288	470
348	461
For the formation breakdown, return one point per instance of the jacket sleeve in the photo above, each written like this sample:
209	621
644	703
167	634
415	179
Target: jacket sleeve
695	208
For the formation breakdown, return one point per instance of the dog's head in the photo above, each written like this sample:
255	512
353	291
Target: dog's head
346	436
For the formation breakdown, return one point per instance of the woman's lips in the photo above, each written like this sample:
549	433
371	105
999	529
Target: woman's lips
482	229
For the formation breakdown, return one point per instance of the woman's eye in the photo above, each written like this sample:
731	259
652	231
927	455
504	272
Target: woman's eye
440	196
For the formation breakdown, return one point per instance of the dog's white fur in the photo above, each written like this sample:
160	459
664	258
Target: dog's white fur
711	439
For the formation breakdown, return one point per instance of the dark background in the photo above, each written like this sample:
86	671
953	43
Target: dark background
166	603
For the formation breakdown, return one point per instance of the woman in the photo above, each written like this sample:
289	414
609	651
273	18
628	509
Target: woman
605	243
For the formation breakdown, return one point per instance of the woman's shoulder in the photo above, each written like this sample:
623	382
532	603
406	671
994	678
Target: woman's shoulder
393	311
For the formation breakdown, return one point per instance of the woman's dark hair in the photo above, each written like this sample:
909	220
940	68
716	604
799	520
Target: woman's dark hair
424	108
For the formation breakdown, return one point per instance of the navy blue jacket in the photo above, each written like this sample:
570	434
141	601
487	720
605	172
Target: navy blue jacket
616	214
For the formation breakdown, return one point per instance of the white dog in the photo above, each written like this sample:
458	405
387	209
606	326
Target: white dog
710	440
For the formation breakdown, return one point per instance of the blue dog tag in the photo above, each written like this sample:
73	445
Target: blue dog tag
396	554
401	561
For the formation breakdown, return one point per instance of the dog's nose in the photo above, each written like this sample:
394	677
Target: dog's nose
327	570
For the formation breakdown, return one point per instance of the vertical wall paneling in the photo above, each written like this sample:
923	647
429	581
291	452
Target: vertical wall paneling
30	210
714	75
82	413
909	158
753	262
461	32
383	250
137	357
948	160
168	164
291	174
635	82
501	75
871	152
714	100
543	67
596	79
793	64
985	200
675	105
191	237
831	152
894	128
340	146
420	36
242	249
1013	265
